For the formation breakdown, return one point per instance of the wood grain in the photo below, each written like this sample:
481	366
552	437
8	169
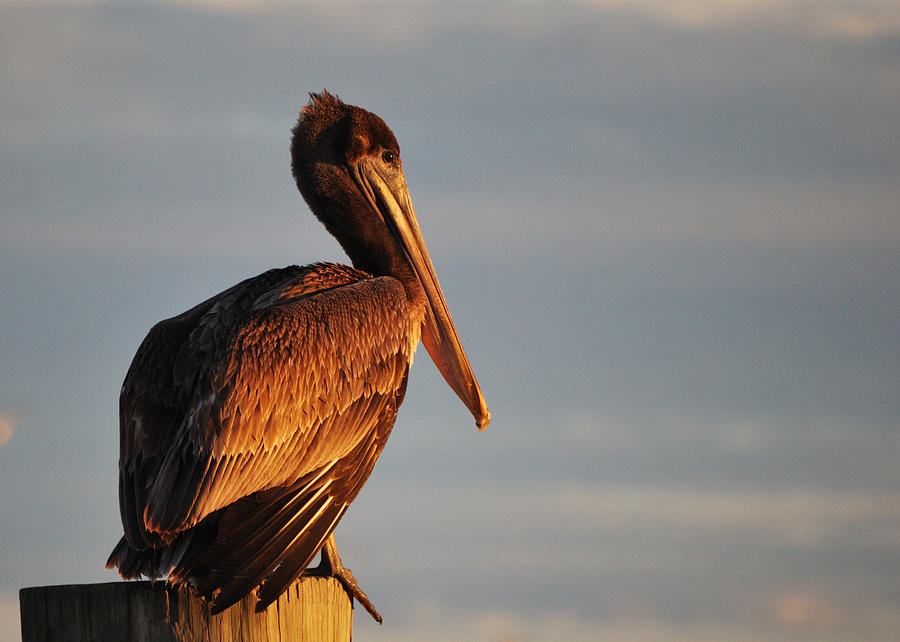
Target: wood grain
311	609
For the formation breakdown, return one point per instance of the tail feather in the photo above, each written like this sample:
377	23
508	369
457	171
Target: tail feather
299	556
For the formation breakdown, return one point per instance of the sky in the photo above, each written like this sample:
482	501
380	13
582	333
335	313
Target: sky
669	236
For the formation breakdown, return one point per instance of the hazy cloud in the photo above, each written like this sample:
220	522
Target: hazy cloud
10	628
849	18
9	421
795	615
654	135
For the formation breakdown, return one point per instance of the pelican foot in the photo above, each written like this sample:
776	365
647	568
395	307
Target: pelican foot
331	566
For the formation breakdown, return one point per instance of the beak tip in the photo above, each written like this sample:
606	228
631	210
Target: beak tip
483	421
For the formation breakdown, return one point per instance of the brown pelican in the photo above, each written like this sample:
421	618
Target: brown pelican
250	422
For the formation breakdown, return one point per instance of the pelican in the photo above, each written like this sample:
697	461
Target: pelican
251	421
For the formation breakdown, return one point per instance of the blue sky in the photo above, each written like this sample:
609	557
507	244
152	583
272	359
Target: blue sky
669	236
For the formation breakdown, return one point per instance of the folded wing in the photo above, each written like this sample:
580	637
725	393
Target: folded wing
249	423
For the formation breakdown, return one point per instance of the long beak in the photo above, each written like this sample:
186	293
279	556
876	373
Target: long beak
438	333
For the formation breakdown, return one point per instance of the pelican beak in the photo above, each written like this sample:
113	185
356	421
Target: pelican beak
389	196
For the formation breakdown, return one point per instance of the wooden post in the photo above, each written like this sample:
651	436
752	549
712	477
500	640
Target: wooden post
312	609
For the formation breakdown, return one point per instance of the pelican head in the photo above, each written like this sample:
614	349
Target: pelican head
346	162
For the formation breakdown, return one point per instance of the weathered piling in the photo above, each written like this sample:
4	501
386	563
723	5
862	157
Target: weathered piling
312	609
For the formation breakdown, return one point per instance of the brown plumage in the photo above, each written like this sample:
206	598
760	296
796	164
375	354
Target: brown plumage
250	422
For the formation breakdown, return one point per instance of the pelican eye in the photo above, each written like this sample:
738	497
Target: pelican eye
388	156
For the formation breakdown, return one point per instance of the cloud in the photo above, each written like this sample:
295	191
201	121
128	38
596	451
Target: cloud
851	19
9	421
796	615
844	18
616	214
10	622
599	134
612	560
799	608
803	518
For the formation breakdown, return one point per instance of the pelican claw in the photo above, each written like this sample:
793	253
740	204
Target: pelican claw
331	566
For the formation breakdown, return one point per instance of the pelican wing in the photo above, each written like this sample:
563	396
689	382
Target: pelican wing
153	404
275	385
